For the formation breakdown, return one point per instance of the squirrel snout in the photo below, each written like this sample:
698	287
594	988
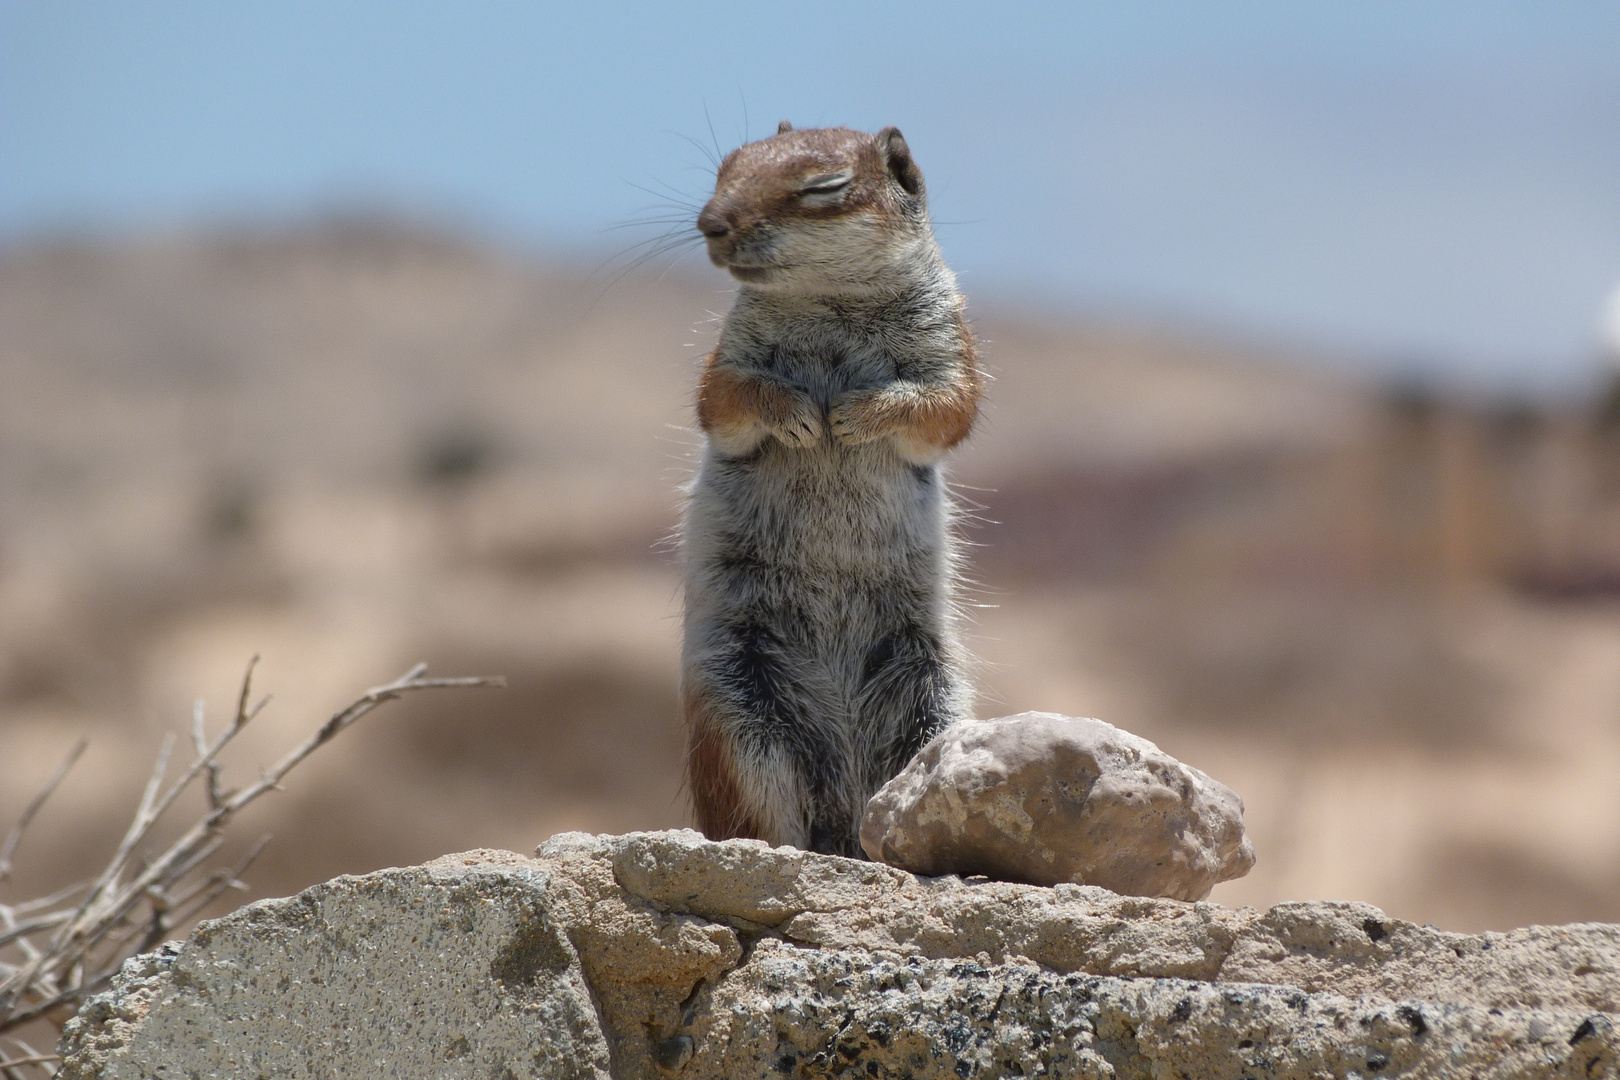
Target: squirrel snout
712	223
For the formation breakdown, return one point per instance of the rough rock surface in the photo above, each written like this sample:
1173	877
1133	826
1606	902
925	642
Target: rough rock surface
1044	798
663	955
454	969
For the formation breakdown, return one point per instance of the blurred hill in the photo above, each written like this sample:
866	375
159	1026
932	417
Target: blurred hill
1387	618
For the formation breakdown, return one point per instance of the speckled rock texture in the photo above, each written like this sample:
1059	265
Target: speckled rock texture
1044	798
664	955
456	969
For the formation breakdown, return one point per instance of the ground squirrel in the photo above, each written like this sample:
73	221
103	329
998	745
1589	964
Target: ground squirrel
820	649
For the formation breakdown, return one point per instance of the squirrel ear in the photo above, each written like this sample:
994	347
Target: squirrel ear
897	159
784	127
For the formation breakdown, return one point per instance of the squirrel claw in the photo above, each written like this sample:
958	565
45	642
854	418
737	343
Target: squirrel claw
846	424
800	432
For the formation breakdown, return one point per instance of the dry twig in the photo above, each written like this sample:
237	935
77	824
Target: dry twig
11	1067
14	837
57	950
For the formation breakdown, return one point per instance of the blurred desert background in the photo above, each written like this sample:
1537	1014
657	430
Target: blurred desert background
323	339
1390	620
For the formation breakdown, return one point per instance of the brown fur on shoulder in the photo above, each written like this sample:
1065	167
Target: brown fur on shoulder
729	401
737	410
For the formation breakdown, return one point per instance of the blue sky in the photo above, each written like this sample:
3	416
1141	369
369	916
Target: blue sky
1431	188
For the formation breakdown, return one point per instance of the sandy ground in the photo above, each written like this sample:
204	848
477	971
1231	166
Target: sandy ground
354	447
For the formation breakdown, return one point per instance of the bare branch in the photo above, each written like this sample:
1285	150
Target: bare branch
34	926
197	899
242	713
134	904
218	881
145	817
14	837
79	990
11	1067
28	1051
197	859
199	743
43	902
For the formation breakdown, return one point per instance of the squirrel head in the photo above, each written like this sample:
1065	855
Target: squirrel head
823	211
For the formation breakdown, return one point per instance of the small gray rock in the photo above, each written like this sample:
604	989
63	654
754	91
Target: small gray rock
1044	798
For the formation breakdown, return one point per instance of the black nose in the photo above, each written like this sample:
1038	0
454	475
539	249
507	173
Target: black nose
712	223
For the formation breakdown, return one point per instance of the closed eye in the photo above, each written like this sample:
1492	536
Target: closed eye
821	185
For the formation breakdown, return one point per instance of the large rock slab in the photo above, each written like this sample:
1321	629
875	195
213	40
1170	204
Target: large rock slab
831	1014
664	954
458	969
1044	798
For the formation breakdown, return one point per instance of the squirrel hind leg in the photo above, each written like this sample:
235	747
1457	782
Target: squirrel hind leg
766	760
835	838
910	692
711	778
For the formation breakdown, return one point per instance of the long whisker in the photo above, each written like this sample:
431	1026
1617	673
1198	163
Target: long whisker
671	243
673	238
671	197
675	210
709	154
709	120
683	219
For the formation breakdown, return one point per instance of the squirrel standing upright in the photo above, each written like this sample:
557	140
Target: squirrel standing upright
820	647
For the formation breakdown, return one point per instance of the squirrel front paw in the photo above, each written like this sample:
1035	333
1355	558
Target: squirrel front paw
852	418
802	427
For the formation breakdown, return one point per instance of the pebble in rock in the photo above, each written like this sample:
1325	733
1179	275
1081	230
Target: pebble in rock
1044	798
